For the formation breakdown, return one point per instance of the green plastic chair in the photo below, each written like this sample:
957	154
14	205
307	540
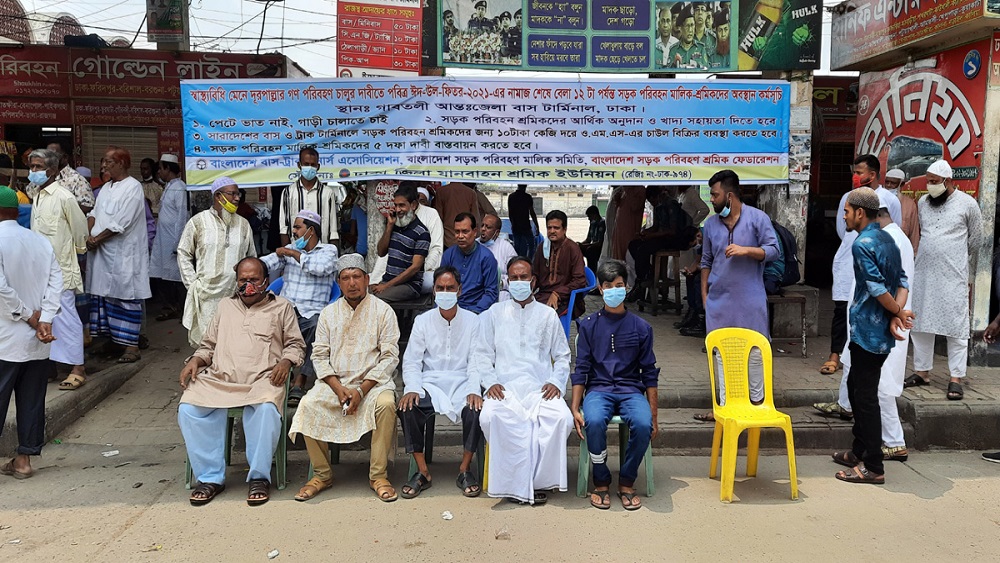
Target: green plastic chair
280	453
583	474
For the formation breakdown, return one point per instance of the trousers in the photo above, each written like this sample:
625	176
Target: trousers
862	391
838	328
382	436
204	431
27	382
923	353
598	408
414	423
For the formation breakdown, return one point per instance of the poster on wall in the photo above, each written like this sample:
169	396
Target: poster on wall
166	21
378	38
911	117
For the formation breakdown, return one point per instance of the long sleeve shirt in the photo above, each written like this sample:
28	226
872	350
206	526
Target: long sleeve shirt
614	353
308	280
878	269
437	361
560	273
523	345
30	280
480	278
119	268
432	221
57	216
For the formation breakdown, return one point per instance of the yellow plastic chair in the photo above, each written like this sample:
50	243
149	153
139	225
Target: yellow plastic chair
738	414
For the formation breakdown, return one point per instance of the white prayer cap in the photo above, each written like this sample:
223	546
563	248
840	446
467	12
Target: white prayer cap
307	215
940	168
222	182
349	261
165	157
423	190
84	171
896	173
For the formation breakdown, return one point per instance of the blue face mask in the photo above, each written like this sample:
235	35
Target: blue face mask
445	300
309	173
726	210
613	296
520	290
38	177
300	243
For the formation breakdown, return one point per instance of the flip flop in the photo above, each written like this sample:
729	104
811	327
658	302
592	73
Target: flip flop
540	499
704	417
955	391
605	499
210	490
630	497
72	382
914	380
417	484
8	469
129	358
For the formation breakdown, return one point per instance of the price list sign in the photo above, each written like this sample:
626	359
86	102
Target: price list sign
378	39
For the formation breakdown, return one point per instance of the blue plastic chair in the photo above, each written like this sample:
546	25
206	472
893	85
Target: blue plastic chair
591	284
279	283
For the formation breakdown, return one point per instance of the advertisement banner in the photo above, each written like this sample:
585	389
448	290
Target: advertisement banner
910	118
553	131
383	35
32	72
865	28
166	21
780	34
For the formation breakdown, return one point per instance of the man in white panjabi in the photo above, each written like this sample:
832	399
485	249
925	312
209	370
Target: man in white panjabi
355	354
170	224
212	243
522	358
502	249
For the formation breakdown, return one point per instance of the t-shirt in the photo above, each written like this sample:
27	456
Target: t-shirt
405	243
518	207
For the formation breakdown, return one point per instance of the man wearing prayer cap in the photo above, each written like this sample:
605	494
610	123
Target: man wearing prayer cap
211	244
169	225
951	230
894	181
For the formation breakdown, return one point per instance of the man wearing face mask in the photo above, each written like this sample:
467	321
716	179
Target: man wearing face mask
309	193
309	270
894	181
522	360
212	243
439	378
616	367
502	249
951	230
475	263
406	242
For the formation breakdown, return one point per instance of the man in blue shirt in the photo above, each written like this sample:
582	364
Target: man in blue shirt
616	367
877	315
475	263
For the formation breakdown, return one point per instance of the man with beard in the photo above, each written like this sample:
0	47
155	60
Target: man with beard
688	53
894	180
950	233
406	241
718	57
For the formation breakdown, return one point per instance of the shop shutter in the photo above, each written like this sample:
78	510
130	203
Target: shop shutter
141	142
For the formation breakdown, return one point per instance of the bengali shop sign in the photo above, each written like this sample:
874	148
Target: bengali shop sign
552	131
379	38
865	28
911	118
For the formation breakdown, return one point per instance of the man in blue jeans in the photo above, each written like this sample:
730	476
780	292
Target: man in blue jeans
616	367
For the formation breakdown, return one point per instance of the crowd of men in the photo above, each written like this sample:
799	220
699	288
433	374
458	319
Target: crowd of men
693	35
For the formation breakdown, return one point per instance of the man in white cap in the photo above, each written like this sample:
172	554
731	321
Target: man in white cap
894	181
308	269
212	243
951	229
432	220
169	225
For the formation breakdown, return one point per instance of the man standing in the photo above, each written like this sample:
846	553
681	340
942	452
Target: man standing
118	259
591	247
236	367
211	244
522	359
521	209
57	217
664	32
70	179
718	56
152	189
476	265
309	193
951	229
910	217
170	224
687	53
877	315
738	241
355	354
559	266
450	200
491	237
439	378
702	23
616	367
309	271
689	198
406	242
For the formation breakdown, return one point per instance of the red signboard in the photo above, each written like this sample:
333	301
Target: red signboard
135	114
33	73
865	28
911	117
35	112
381	36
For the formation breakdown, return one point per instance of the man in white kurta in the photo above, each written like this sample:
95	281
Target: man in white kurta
211	244
169	226
522	358
502	249
439	378
951	230
355	353
56	216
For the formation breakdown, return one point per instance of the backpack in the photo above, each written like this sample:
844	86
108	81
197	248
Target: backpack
790	252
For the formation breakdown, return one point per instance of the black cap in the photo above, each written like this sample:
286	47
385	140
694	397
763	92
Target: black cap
480	3
721	17
447	13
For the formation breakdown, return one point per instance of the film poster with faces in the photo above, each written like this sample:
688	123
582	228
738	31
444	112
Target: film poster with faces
630	35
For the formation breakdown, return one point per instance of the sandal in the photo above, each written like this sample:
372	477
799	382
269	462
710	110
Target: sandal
294	396
914	380
540	499
312	488
72	382
829	367
8	469
705	417
895	453
383	490
129	358
259	487
466	481
630	501
205	492
860	474
416	485
955	392
847	459
603	499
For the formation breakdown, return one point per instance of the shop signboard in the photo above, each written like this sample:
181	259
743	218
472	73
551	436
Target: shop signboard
379	38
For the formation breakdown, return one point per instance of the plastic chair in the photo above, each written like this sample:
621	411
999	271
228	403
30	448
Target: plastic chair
567	316
583	472
738	414
279	283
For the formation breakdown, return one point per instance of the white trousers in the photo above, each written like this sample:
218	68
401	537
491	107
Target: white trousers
67	328
892	428
923	353
526	455
204	431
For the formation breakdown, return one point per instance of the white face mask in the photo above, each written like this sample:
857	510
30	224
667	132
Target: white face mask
520	290
445	299
936	190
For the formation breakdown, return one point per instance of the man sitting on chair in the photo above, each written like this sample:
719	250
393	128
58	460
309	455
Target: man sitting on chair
243	361
558	265
475	264
616	366
438	378
522	358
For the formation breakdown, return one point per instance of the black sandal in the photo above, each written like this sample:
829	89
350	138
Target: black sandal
605	499
466	480
955	391
847	459
914	380
417	484
208	491
540	499
259	487
630	497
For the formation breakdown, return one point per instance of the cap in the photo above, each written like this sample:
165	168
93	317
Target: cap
864	197
447	13
349	261
685	13
8	198
896	173
222	182
720	18
423	190
312	216
480	3
517	13
940	168
165	157
85	172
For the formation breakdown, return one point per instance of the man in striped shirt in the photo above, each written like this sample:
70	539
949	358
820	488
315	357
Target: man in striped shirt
406	241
